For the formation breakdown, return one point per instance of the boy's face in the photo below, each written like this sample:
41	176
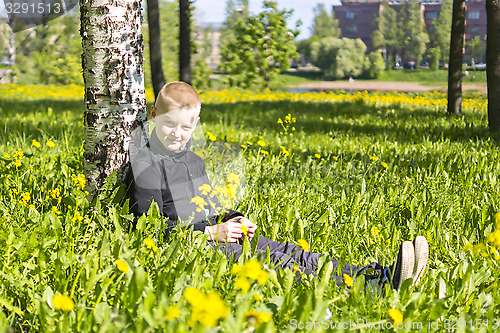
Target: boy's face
175	127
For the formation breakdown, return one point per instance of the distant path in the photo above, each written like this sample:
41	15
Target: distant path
382	86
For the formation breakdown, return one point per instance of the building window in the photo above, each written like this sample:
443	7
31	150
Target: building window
350	15
474	15
351	29
474	30
431	15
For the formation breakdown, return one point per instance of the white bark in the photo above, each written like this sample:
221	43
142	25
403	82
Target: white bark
114	86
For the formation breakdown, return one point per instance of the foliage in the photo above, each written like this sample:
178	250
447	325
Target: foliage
324	25
51	53
388	34
261	49
440	36
201	75
362	172
376	64
339	57
435	55
476	49
416	40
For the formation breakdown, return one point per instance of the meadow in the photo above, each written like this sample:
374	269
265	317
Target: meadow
350	175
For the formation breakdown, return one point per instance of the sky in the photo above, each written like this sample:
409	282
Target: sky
213	11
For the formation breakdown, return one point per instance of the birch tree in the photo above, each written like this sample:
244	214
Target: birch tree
114	86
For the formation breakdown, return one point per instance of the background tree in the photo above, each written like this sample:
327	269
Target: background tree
387	36
339	57
493	64
185	40
261	49
114	85
324	25
155	57
415	43
476	49
456	58
440	36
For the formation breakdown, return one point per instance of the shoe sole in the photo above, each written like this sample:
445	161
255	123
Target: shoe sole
421	258
407	262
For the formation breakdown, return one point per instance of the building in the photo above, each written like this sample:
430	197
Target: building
358	18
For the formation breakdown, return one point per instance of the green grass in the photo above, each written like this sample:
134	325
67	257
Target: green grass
441	181
423	76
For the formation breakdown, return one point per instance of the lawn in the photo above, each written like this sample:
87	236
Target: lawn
425	77
351	174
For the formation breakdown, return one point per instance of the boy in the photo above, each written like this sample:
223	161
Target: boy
167	172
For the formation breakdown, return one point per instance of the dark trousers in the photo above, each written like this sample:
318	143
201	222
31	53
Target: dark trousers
286	254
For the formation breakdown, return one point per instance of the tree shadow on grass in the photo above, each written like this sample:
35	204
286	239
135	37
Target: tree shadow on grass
393	122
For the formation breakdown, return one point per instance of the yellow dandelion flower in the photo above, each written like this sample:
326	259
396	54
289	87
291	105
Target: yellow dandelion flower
261	143
122	266
211	137
295	267
55	210
205	189
249	143
150	244
244	229
35	143
303	244
243	146
384	165
18	154
317	155
242	283
194	296
79	181
348	280
252	269
50	144
395	315
280	121
77	217
236	269
335	158
257	297
233	178
374	158
255	318
172	312
63	302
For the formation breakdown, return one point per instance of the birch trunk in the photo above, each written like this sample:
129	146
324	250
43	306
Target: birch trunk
115	101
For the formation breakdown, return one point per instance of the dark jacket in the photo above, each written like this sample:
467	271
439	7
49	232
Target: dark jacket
172	179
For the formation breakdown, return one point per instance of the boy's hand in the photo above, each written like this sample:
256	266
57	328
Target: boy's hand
250	226
229	231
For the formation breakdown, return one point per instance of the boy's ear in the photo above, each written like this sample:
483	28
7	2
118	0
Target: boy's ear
152	114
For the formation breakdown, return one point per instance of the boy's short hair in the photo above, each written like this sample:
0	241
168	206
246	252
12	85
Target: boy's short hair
175	95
